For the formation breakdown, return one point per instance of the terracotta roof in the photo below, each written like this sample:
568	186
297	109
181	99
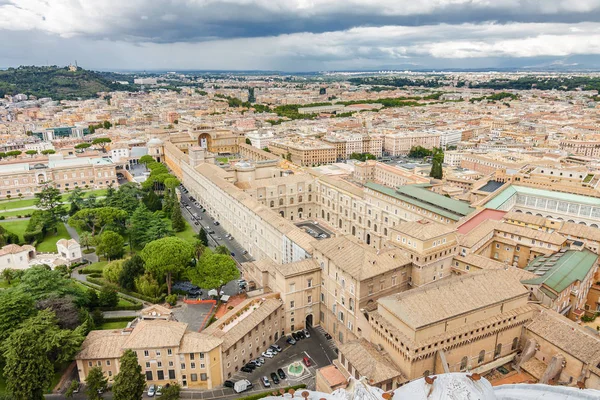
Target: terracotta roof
369	361
479	232
155	334
14	249
451	297
424	229
566	335
102	344
580	231
298	267
196	342
332	375
358	259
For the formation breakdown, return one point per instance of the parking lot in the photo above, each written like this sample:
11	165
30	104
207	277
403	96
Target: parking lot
315	230
317	348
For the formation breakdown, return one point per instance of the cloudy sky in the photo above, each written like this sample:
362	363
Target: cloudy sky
300	35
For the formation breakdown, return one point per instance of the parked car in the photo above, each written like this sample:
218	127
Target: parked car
228	383
295	336
306	333
159	389
291	340
196	223
258	362
232	254
217	223
274	378
265	381
306	361
262	360
267	355
281	374
275	347
241	386
328	336
151	391
301	334
246	369
245	252
250	365
271	352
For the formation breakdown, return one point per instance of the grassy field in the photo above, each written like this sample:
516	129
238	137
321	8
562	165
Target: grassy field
17	226
188	234
6	205
48	245
122	302
113	325
96	267
14	213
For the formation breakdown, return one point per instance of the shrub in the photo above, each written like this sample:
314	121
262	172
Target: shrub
171	299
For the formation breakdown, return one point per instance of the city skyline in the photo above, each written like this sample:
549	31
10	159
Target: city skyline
302	36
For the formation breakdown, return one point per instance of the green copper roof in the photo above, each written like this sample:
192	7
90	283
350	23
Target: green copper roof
560	270
507	193
426	199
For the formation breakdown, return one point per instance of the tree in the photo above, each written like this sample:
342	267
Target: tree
167	257
86	239
112	271
15	307
213	270
152	201
419	152
171	391
203	237
8	274
110	245
31	152
177	221
146	159
31	351
49	200
132	268
199	248
48	151
76	200
102	142
248	141
65	309
83	146
129	382
95	382
147	285
222	250
437	171
108	297
107	125
71	389
91	219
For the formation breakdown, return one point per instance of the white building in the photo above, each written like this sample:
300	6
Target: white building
118	153
13	256
453	158
450	138
40	146
70	250
260	139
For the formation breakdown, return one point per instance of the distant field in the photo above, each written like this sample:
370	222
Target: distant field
48	245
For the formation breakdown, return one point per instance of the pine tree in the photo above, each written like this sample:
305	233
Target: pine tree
177	220
152	201
203	237
129	382
95	382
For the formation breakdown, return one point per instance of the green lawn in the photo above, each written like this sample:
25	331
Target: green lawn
48	245
122	302
14	213
188	234
96	267
222	159
22	203
16	226
113	325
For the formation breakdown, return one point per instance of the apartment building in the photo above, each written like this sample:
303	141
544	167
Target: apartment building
384	174
247	330
400	143
588	148
166	351
304	152
65	173
354	276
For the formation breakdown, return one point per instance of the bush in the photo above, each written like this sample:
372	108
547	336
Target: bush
34	236
171	299
108	297
2	217
591	318
88	251
101	282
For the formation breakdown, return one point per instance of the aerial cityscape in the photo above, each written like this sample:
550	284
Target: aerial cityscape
318	200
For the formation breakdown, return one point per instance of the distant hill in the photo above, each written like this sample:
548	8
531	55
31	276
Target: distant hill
57	82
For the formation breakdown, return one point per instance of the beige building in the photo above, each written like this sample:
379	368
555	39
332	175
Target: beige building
400	143
65	173
247	330
304	152
13	256
166	351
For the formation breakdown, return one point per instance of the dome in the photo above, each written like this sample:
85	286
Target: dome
155	142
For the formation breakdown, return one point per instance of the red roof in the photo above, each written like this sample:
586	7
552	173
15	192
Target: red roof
485	214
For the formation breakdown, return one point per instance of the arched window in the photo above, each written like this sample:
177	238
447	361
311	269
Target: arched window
291	200
322	214
463	363
515	343
481	356
375	227
385	231
299	199
280	202
340	224
353	231
369	223
272	203
310	188
360	220
498	350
